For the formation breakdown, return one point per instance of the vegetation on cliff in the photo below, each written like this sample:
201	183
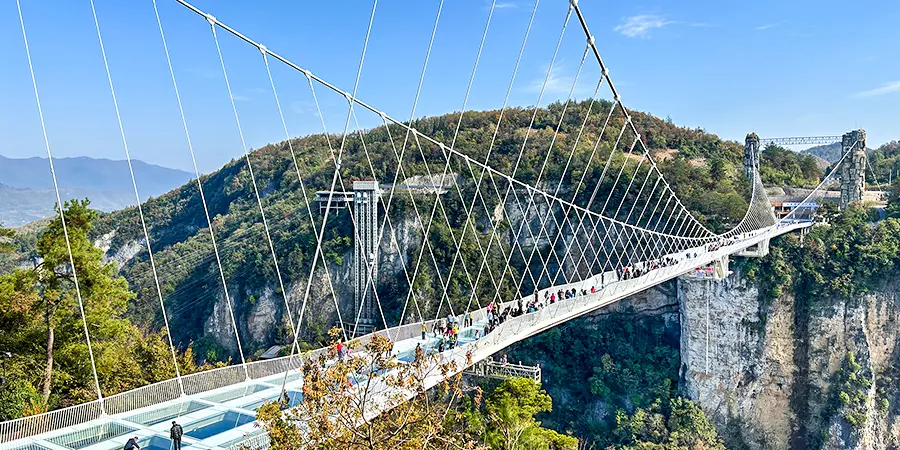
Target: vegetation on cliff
42	326
619	377
703	169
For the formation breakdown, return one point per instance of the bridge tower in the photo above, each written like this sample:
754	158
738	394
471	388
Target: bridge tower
365	253
751	155
751	168
853	167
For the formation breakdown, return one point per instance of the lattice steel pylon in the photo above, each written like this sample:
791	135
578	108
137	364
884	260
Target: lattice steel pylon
365	251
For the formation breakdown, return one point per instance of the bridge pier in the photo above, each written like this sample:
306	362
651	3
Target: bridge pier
853	167
758	250
718	269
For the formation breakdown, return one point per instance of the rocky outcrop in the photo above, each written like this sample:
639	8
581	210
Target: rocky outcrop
766	371
737	359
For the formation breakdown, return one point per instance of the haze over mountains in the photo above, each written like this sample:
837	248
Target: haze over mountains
27	193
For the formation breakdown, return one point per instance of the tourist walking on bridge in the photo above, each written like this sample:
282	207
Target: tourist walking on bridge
175	433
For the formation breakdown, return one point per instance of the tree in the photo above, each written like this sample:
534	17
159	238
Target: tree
345	388
677	424
40	305
511	411
5	237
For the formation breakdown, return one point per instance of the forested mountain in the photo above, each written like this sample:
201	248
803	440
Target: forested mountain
829	152
27	193
702	168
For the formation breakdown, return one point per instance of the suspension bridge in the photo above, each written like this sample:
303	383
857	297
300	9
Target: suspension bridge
595	223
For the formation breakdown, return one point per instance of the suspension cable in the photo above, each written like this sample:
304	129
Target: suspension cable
209	221
62	217
137	198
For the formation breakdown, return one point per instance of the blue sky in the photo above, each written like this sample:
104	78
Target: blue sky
780	68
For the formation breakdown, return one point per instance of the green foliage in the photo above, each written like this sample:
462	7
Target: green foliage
853	391
623	361
701	168
674	425
510	418
884	163
6	236
783	167
42	325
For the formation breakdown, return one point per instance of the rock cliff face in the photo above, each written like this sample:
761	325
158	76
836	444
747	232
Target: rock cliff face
766	372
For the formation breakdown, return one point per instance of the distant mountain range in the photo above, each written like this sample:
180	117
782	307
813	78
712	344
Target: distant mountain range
829	152
27	193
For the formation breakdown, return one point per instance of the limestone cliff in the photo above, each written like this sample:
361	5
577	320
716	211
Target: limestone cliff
767	371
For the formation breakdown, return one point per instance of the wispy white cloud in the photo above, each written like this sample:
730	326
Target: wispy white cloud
560	81
505	5
887	88
240	98
641	25
768	25
303	107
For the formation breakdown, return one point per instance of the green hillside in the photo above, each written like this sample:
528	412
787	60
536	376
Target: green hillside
702	168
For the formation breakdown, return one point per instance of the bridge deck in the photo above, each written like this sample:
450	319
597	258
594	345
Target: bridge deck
219	412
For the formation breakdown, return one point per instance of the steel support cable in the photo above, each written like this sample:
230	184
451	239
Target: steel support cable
320	236
637	198
447	165
581	183
457	243
340	154
542	218
827	179
402	152
200	186
369	266
662	214
477	194
365	105
137	198
296	329
62	217
543	222
212	27
606	166
425	241
630	184
537	106
494	237
566	211
471	207
581	19
612	190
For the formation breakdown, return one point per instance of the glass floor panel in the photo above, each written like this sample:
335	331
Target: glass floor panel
92	435
223	397
153	417
294	399
217	424
159	443
29	447
242	439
